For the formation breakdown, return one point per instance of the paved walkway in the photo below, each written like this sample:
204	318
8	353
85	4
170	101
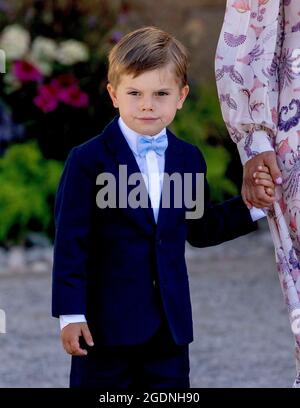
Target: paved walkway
242	334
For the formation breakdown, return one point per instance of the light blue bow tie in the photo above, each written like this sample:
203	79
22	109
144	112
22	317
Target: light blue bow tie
145	144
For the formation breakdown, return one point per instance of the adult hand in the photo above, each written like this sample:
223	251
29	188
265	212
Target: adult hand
252	194
70	335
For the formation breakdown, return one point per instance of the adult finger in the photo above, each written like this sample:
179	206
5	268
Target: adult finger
247	202
259	198
271	162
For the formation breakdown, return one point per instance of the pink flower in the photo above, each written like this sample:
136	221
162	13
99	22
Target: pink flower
47	98
24	71
73	96
64	81
63	88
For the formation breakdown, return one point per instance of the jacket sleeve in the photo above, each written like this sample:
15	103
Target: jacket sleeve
220	222
247	61
73	224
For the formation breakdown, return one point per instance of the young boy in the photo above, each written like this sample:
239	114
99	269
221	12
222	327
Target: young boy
120	284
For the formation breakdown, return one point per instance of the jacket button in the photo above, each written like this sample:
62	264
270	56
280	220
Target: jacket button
154	283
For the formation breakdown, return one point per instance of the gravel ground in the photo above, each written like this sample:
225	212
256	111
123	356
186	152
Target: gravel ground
242	336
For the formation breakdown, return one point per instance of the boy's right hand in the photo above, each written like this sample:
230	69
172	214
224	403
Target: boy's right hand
70	335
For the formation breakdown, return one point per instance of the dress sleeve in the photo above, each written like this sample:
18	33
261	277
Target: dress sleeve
247	73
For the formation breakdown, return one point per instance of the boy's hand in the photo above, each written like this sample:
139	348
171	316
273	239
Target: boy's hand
263	179
70	335
254	193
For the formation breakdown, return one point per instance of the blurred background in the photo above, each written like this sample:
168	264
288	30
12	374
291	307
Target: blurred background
53	97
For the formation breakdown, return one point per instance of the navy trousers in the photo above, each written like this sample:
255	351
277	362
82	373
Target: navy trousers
157	364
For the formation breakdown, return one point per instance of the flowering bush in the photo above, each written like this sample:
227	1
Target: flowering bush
36	64
54	87
43	77
52	97
37	57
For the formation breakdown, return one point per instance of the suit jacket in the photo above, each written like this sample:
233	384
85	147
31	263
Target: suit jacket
116	265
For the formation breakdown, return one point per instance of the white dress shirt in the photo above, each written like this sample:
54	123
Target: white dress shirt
152	168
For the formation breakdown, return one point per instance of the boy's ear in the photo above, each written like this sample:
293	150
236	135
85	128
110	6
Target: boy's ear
183	94
113	95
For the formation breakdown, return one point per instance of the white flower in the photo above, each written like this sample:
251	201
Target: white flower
14	41
44	66
43	49
72	51
43	52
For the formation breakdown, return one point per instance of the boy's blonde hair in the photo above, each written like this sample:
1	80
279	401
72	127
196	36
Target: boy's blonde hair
146	49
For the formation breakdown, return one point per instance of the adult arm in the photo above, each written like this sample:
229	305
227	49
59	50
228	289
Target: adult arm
247	60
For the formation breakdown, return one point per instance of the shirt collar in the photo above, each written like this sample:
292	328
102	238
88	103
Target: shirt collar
132	137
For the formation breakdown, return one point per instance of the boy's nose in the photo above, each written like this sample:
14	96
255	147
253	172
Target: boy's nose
147	104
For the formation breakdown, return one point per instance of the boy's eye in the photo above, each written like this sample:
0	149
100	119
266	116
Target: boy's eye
135	93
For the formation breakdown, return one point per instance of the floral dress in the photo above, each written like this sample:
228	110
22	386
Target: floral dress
258	80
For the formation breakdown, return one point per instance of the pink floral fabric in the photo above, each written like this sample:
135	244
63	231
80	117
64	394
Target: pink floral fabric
258	80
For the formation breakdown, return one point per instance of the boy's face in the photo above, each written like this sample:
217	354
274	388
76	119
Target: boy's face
149	102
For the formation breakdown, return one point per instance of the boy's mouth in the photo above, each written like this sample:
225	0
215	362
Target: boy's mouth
148	119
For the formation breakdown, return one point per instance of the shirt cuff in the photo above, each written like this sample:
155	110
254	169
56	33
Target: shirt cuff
257	213
64	320
261	142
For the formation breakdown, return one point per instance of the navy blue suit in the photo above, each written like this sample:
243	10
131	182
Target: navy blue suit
118	267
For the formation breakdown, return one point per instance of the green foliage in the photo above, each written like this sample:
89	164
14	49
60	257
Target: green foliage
200	123
28	186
